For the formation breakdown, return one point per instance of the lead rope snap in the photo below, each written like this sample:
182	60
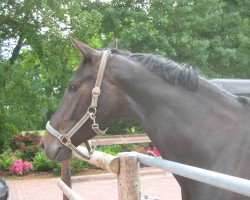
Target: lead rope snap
95	127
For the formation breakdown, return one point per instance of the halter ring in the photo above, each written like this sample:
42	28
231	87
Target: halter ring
64	140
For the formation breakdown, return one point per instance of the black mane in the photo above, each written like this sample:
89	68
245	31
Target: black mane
165	68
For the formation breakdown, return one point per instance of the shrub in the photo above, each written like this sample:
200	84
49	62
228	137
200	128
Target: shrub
27	144
124	126
42	163
115	149
6	159
19	167
6	131
78	165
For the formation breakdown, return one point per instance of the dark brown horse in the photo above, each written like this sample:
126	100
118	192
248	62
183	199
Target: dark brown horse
190	120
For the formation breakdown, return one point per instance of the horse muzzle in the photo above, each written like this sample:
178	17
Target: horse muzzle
54	149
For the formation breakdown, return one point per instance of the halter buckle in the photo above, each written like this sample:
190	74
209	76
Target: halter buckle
64	140
97	130
95	126
92	110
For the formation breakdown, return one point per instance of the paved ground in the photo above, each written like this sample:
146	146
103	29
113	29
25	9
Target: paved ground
154	183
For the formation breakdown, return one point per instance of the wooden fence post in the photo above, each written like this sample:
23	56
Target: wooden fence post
128	177
66	175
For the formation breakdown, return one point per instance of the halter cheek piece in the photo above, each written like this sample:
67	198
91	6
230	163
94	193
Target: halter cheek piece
65	139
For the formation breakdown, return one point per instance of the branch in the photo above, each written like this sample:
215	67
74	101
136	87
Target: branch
16	50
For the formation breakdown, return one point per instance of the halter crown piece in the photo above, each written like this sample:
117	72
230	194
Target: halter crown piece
65	139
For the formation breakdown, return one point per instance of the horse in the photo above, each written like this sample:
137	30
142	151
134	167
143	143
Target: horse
187	118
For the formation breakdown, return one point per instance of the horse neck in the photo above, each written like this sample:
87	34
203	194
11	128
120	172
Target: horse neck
172	116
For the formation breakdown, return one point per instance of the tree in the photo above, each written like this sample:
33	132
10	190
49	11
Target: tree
211	35
42	62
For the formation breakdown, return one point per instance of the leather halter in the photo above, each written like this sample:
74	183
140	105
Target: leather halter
65	139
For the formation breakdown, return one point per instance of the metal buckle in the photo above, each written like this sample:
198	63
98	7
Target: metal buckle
64	140
97	130
92	110
95	126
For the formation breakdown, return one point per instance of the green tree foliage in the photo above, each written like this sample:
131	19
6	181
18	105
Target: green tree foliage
42	62
211	35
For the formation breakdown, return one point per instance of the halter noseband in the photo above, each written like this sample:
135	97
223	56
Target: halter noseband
65	139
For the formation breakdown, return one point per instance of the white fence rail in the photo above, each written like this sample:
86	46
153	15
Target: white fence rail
231	183
68	192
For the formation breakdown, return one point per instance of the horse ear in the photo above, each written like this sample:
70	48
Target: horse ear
114	44
86	50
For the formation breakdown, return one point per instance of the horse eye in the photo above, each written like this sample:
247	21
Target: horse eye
72	88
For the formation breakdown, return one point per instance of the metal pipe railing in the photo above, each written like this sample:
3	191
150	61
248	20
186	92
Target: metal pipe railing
231	183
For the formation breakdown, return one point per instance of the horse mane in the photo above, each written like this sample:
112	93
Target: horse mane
165	68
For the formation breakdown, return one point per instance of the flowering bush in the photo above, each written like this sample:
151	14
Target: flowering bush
19	167
153	151
27	143
24	139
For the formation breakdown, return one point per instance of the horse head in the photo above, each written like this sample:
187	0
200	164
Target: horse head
80	101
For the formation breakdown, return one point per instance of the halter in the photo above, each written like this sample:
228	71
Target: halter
65	139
